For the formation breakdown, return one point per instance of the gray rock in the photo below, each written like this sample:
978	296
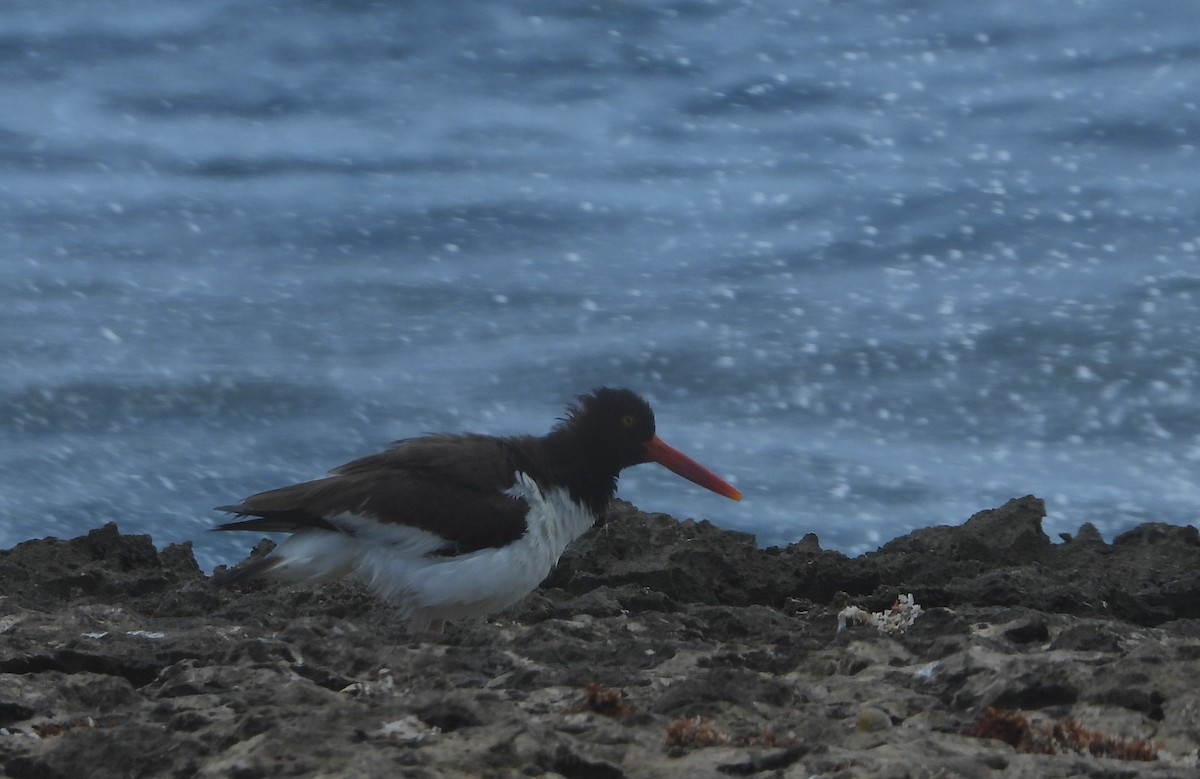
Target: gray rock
656	648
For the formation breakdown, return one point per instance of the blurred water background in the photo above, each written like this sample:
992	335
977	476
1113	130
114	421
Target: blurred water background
881	264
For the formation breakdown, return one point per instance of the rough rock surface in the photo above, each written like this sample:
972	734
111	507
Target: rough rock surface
657	648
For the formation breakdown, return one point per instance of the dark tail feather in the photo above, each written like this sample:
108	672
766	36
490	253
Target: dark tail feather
251	570
273	521
262	525
264	521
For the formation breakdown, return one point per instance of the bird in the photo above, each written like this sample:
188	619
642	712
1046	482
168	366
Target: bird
451	527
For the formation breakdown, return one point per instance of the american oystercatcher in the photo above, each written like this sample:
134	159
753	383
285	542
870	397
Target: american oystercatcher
454	526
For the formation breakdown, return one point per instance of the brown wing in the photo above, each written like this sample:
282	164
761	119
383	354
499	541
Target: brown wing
451	486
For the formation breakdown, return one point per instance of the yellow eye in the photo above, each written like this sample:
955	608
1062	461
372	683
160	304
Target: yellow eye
629	420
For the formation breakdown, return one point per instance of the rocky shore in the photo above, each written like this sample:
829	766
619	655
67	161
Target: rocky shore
657	648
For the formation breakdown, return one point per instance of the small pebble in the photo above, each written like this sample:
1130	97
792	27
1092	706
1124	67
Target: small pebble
871	720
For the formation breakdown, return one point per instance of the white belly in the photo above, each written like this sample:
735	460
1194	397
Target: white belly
394	562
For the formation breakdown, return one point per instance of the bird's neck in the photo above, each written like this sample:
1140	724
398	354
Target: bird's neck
588	478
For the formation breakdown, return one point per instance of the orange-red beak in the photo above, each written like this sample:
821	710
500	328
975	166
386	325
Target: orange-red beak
678	462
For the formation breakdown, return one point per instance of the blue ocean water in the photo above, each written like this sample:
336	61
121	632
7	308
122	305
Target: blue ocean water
880	264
